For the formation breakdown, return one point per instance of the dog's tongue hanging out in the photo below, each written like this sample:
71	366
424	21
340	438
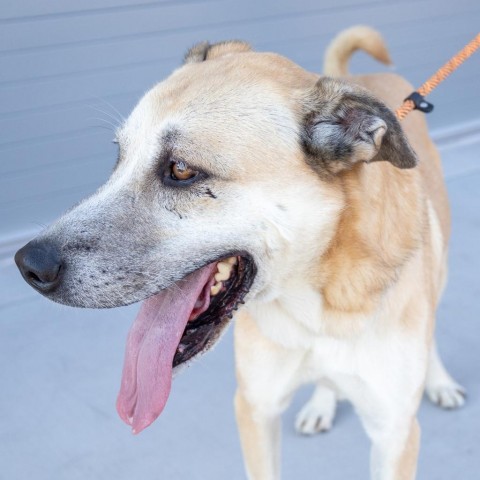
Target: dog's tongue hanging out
151	346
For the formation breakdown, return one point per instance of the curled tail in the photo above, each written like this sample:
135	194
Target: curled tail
348	41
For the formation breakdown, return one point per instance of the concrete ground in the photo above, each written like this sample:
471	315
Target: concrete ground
60	370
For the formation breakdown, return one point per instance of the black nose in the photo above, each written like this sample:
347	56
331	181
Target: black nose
40	265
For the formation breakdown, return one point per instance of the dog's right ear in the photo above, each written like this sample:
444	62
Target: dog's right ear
205	51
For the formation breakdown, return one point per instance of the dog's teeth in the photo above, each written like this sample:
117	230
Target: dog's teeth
216	288
223	271
223	267
232	260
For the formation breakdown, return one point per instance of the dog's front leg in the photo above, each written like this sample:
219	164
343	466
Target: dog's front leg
395	451
260	438
267	375
386	393
387	402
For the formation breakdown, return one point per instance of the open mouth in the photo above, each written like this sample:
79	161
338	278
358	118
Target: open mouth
222	294
174	326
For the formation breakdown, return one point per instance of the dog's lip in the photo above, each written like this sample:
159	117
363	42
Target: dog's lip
209	326
234	253
138	298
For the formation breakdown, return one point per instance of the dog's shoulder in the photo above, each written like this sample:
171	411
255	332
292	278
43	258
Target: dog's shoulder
381	227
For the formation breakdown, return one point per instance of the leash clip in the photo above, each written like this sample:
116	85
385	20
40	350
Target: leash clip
420	102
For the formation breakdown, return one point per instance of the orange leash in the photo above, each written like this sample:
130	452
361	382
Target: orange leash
416	99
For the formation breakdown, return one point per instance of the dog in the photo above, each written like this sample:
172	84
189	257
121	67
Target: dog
244	180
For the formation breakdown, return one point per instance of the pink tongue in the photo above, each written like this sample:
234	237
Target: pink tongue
151	345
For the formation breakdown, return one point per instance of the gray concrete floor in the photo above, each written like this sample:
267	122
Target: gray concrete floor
60	370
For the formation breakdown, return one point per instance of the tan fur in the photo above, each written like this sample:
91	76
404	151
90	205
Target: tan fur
254	432
376	235
407	462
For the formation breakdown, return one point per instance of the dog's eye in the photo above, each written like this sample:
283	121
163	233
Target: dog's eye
177	173
181	172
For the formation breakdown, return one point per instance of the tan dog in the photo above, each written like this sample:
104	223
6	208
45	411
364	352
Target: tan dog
242	178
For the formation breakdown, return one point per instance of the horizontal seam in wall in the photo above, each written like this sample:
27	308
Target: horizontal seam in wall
99	11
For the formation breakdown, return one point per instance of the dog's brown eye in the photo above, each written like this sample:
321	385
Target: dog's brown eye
181	171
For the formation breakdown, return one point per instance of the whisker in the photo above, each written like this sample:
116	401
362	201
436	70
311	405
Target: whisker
112	126
110	119
119	117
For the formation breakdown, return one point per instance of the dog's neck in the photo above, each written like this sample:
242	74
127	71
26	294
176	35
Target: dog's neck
339	289
376	235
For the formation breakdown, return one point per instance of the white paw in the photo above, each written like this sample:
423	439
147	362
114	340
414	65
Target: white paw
317	414
448	395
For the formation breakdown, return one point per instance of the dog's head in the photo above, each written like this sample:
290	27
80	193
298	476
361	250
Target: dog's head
227	174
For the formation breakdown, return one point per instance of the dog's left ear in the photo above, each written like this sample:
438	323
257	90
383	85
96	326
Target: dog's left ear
344	125
205	51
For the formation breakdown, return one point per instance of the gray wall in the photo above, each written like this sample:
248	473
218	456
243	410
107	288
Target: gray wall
67	67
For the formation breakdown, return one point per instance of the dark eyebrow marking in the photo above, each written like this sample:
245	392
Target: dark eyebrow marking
167	142
170	137
210	193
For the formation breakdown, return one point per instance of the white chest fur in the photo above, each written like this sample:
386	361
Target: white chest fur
295	320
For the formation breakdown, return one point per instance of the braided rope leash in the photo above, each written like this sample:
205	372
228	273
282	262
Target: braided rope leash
416	100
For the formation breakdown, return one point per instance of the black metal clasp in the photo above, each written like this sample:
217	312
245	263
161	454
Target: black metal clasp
420	103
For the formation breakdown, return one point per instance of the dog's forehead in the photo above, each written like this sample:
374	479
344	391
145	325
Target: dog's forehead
232	95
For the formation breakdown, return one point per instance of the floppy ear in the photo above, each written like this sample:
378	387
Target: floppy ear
344	125
205	51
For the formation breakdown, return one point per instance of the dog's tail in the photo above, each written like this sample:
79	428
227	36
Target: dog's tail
348	41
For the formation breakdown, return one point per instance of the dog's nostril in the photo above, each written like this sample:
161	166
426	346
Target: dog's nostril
32	276
40	265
